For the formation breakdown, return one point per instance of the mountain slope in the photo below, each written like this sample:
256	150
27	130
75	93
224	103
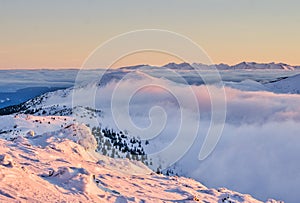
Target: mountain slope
286	85
60	165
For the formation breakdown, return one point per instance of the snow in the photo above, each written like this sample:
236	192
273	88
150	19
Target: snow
53	166
288	85
239	66
278	118
17	86
247	85
262	66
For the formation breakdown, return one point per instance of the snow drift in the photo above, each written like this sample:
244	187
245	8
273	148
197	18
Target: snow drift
60	165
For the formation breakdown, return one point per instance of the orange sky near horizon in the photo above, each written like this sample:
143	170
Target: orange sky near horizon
59	34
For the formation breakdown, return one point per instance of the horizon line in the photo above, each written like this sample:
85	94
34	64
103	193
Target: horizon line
120	67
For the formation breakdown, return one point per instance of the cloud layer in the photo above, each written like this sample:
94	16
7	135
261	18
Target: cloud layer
258	151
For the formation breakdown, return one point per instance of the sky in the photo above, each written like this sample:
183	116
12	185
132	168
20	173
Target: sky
62	34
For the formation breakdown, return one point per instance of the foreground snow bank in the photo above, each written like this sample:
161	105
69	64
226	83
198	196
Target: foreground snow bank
59	164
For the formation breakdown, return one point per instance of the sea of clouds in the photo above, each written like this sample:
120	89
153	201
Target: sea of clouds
258	151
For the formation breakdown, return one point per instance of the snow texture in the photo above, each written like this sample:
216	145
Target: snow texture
59	164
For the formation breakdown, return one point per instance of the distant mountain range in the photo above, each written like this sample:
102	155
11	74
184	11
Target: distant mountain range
239	66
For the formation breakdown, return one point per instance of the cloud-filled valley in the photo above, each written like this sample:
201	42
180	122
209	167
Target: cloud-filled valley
258	149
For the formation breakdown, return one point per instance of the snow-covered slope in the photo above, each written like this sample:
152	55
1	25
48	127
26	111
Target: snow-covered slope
59	164
286	85
247	85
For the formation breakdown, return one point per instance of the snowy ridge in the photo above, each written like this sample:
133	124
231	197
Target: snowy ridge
60	164
249	66
239	66
263	66
286	85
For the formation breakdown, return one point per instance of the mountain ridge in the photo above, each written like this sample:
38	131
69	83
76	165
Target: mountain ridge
220	66
60	164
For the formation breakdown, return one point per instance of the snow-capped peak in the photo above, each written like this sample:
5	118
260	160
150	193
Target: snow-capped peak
221	66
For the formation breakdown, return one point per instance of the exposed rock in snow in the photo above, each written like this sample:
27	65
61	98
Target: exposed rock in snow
221	66
239	66
262	66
